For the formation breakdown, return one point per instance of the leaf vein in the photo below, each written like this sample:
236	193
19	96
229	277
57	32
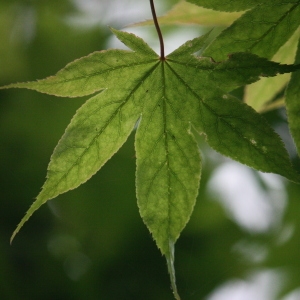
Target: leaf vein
88	76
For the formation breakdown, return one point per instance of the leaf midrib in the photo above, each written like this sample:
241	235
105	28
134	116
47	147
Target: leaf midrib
166	162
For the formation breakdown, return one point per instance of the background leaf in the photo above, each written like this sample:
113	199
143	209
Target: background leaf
235	5
190	47
188	13
261	30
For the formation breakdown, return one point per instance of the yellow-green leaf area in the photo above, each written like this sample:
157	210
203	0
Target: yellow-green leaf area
233	5
188	13
260	95
292	103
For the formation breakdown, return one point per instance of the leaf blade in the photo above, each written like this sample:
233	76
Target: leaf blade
213	111
188	13
170	96
189	47
135	43
235	5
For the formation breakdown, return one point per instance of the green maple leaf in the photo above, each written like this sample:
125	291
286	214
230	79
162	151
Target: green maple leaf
168	100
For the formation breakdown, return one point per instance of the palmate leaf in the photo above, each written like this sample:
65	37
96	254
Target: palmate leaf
168	99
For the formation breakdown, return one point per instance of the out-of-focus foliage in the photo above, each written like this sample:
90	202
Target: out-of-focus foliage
188	13
91	243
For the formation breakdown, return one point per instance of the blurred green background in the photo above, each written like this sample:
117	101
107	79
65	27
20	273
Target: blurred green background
242	242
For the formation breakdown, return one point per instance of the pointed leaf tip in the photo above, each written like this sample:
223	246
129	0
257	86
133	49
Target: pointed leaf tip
134	42
190	47
35	206
170	257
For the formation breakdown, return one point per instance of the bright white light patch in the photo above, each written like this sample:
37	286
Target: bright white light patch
111	12
253	207
294	295
264	285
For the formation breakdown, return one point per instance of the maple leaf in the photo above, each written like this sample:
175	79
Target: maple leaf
168	100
